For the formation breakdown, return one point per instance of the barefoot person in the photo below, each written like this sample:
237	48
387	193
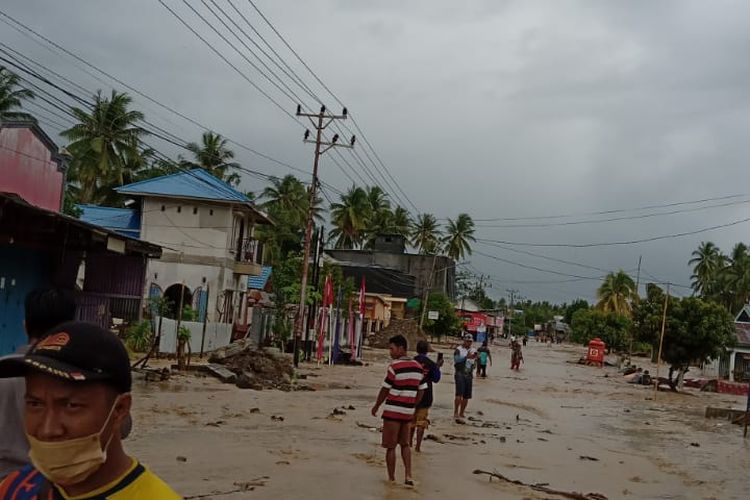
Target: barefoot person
516	357
77	399
402	390
464	358
431	374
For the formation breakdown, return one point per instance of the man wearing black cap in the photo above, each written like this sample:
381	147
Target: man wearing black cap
77	399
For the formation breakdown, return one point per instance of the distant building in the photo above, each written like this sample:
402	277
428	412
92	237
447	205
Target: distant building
206	229
402	274
32	167
40	247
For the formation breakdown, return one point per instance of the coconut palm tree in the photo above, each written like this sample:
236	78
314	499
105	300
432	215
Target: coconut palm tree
617	293
737	276
104	142
287	194
12	96
425	234
401	222
214	156
707	264
350	217
378	199
458	237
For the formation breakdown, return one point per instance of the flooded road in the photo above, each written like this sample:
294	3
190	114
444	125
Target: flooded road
572	427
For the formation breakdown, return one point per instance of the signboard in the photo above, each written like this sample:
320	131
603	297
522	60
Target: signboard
433	315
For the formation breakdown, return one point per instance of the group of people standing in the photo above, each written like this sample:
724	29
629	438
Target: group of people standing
407	393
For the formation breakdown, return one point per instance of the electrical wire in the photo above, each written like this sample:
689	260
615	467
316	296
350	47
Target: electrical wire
624	242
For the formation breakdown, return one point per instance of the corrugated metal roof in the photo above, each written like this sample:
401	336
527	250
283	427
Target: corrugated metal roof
121	220
196	183
259	282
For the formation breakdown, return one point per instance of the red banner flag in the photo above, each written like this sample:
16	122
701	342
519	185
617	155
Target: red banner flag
362	297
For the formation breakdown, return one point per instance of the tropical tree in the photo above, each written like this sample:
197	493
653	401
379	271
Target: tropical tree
611	327
617	293
287	194
401	222
707	265
214	156
378	199
737	276
426	234
12	96
696	330
350	217
459	235
105	143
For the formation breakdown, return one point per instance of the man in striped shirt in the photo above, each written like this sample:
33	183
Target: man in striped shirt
402	390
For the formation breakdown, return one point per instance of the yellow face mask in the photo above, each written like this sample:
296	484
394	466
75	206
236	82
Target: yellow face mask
69	462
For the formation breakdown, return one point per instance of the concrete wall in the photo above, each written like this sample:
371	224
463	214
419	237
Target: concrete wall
199	241
217	335
28	170
419	266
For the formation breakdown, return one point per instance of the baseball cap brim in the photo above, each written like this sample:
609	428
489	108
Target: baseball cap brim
19	365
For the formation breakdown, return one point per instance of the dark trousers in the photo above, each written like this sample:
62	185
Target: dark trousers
482	370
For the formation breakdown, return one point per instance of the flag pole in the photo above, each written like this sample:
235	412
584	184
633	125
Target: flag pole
661	341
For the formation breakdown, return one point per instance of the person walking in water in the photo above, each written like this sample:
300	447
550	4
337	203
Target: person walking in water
431	372
464	358
516	357
402	391
484	356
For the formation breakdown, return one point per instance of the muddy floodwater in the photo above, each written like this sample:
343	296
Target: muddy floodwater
571	427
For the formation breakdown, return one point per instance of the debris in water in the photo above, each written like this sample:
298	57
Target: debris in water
543	488
586	457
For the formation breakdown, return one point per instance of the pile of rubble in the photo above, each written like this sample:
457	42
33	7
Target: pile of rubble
409	328
251	367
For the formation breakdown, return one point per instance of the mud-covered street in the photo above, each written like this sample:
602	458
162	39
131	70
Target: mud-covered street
571	427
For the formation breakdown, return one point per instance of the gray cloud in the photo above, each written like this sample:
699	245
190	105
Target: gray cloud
498	109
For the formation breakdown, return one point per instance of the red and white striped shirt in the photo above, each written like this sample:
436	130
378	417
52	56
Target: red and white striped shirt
403	380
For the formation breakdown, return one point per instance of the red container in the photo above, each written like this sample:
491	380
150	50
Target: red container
595	355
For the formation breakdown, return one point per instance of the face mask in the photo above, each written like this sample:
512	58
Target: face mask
69	462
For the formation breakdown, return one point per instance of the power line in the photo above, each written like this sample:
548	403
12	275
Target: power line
619	210
77	58
546	257
625	242
615	219
339	101
223	58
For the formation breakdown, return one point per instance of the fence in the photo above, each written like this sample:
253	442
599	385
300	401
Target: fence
217	335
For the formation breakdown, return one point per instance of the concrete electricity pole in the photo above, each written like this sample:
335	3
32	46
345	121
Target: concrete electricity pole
512	293
320	121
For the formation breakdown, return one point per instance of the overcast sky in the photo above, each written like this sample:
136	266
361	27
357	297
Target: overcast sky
500	109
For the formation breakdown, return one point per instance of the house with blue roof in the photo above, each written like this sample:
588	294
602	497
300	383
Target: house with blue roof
207	231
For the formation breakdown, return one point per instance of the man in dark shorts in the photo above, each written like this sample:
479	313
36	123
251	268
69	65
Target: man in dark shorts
431	373
464	358
402	390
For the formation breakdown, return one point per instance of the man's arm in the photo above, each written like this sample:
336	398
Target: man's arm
457	358
420	394
435	373
381	399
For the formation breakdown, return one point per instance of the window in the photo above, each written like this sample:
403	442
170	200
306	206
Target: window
211	212
195	210
163	208
179	209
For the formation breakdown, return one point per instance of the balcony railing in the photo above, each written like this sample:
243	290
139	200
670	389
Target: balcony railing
251	250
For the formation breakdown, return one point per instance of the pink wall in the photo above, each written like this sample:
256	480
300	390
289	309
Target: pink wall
26	168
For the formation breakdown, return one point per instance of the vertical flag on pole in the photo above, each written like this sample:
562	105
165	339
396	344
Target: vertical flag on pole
360	334
324	323
350	329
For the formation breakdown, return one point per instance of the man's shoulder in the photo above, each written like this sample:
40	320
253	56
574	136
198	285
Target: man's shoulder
147	485
22	484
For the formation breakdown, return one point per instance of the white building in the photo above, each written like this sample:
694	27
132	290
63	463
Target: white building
206	229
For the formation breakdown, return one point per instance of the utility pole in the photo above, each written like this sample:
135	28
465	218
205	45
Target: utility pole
320	121
661	341
637	288
512	293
